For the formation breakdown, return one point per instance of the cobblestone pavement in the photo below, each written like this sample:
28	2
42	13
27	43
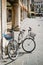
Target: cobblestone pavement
36	57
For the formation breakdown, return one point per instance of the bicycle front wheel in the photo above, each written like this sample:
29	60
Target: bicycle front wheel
12	50
28	45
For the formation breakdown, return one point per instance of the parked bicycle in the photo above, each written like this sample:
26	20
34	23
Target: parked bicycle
28	43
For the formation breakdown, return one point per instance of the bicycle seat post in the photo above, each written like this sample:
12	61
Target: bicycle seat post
12	33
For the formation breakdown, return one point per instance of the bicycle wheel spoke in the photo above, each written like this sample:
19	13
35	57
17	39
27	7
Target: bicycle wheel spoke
28	45
12	53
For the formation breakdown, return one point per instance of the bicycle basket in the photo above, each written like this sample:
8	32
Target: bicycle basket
32	34
8	35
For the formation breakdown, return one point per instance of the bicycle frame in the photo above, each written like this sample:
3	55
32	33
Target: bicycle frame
29	35
14	47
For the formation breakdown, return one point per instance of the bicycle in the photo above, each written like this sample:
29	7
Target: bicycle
13	45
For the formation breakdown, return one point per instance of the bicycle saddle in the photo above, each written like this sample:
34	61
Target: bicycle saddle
23	30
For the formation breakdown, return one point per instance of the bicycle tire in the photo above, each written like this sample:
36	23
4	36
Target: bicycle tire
11	48
29	51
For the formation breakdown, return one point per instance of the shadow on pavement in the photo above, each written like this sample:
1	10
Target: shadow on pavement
9	62
20	54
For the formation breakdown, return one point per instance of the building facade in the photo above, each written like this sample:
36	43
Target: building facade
38	7
26	3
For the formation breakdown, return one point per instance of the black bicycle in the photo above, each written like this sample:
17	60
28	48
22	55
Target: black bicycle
28	43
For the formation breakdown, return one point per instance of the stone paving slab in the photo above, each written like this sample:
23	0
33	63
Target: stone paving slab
36	57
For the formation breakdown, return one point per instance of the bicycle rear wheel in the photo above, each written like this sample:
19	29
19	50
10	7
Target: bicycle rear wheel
28	45
12	50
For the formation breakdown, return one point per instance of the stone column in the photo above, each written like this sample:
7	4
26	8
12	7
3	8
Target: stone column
16	16
29	8
21	11
4	21
24	12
